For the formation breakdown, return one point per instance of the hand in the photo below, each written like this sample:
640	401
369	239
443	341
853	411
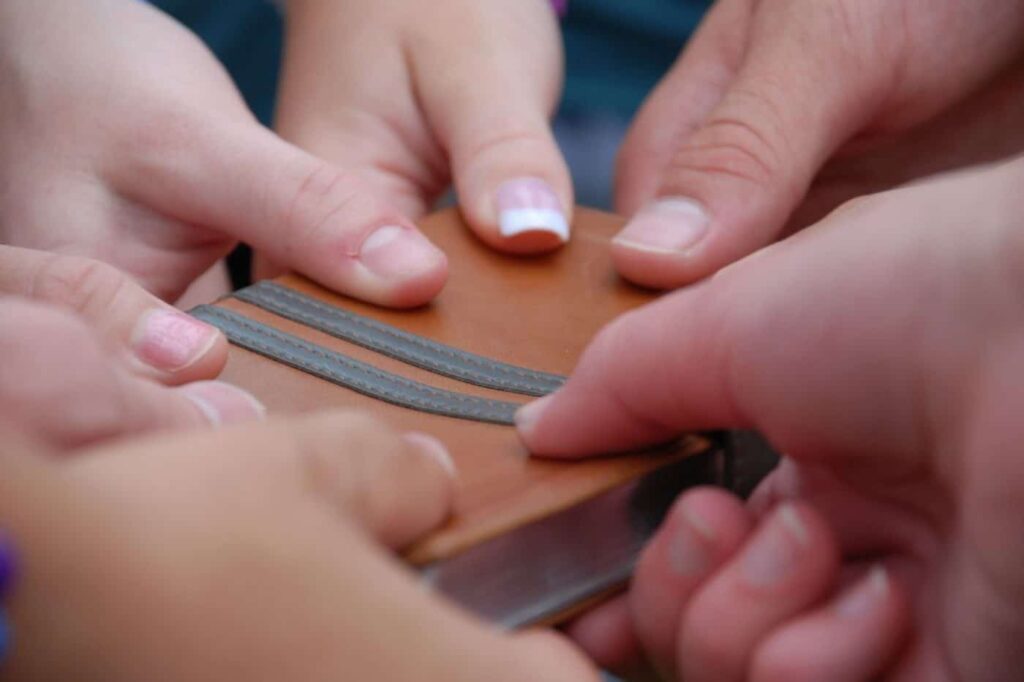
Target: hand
778	111
882	351
412	94
125	141
248	553
85	350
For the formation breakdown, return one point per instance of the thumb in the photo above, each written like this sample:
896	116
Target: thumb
164	343
491	115
729	186
304	213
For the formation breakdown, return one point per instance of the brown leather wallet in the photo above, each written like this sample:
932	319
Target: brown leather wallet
529	539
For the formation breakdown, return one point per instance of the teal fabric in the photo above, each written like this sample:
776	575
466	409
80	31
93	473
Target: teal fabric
616	50
246	35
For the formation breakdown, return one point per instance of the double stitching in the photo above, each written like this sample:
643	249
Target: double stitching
399	344
346	371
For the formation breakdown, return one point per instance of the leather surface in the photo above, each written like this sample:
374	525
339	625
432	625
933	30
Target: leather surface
537	313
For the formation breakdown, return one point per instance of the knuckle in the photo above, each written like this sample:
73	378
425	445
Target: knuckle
82	284
533	143
323	193
745	139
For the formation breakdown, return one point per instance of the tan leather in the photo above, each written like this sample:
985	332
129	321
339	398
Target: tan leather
534	312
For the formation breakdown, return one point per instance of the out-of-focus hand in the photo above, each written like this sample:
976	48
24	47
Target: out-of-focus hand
883	351
247	553
780	110
125	141
413	95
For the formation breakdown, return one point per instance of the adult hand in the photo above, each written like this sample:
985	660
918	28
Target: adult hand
780	110
247	553
882	351
412	95
85	351
125	141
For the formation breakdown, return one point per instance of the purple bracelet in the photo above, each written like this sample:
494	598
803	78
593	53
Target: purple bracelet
560	6
8	568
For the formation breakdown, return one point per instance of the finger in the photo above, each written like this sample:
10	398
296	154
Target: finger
788	564
397	487
683	98
870	619
606	636
702	532
491	116
306	214
631	385
161	341
58	382
730	187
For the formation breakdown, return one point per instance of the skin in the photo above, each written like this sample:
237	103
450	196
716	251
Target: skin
778	111
161	169
247	553
472	85
891	381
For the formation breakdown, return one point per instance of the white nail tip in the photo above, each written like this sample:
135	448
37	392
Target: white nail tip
791	519
517	221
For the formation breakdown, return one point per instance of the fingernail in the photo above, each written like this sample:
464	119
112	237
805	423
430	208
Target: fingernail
776	551
670	225
530	205
865	594
170	340
433	448
688	554
222	403
527	416
392	251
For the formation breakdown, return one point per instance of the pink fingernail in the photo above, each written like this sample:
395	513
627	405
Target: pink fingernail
530	205
392	252
222	403
865	594
526	417
688	549
670	225
170	340
433	448
777	549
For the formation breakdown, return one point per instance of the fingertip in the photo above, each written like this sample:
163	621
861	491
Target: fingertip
177	348
400	268
220	403
605	634
521	216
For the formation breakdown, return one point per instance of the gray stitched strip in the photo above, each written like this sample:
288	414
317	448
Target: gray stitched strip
350	373
396	343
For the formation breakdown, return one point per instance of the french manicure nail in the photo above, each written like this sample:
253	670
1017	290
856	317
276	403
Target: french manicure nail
688	554
776	551
170	340
530	205
865	594
393	251
433	448
668	225
222	403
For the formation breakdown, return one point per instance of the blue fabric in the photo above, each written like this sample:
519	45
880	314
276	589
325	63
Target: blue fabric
5	636
616	50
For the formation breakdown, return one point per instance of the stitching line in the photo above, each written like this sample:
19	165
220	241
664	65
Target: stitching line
339	368
425	353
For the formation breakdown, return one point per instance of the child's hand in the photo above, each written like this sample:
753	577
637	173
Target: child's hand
122	139
415	94
83	348
245	554
883	351
767	92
